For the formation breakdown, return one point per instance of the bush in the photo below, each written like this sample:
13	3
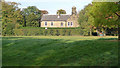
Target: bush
57	32
8	30
51	32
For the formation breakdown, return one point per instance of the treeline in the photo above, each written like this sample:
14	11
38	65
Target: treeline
0	18
15	18
99	17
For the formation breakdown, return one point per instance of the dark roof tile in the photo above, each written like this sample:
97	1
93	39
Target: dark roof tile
55	17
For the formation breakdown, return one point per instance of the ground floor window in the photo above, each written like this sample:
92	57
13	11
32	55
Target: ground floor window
68	23
51	23
71	23
61	24
45	23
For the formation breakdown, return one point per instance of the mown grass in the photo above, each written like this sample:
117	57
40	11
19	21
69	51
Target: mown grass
60	51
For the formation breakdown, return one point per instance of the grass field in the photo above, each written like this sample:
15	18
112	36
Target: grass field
60	51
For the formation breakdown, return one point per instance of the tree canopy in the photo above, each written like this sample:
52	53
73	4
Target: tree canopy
11	17
61	11
85	20
106	14
32	16
100	15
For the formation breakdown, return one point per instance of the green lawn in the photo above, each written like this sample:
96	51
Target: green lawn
60	51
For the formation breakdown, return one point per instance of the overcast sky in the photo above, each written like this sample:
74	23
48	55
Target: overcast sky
53	5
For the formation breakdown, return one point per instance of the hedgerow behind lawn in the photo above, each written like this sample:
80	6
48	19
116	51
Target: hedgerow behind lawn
60	51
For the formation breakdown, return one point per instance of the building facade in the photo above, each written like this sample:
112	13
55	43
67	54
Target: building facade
60	20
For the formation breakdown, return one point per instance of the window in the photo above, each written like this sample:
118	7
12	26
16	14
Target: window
71	23
51	23
68	23
61	24
45	23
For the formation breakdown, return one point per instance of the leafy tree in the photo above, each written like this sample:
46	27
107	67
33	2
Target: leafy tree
106	14
32	20
61	11
11	17
32	16
0	18
85	21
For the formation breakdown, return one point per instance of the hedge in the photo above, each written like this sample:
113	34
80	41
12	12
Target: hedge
49	27
48	32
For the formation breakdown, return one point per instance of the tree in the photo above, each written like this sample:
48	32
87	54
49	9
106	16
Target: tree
61	11
106	14
31	16
11	17
0	18
85	21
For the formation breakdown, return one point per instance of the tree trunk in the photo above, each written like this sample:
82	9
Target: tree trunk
39	22
118	32
119	28
118	25
97	32
105	31
90	32
24	21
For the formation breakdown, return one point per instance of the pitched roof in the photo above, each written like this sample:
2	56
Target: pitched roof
55	17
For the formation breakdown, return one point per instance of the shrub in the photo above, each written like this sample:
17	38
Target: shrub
57	32
51	32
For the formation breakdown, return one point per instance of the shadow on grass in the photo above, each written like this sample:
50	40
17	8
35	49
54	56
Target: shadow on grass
108	39
60	67
56	52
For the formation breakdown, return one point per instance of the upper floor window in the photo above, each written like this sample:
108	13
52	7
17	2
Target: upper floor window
71	23
61	24
45	23
51	23
68	23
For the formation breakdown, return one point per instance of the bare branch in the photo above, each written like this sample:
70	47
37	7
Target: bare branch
117	14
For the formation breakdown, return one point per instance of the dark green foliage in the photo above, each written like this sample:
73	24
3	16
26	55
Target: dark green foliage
9	29
46	32
64	31
69	33
51	32
41	32
32	16
11	17
106	14
85	20
57	33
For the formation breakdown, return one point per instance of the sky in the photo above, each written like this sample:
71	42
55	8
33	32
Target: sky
53	5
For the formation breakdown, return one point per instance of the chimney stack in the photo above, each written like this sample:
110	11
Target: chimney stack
74	12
